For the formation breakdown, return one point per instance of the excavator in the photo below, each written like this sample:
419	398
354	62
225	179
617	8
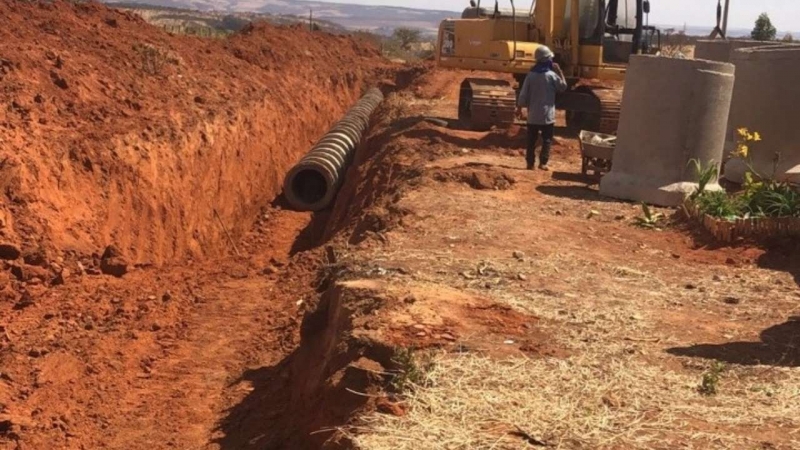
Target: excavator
592	41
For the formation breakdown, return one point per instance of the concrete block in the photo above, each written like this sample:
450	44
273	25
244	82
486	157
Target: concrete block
673	111
766	98
721	50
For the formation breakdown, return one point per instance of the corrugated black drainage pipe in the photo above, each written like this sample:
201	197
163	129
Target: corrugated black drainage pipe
313	182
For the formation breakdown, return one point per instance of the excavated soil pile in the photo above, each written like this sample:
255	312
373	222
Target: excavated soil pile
116	132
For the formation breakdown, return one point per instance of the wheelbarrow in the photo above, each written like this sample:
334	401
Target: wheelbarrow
597	152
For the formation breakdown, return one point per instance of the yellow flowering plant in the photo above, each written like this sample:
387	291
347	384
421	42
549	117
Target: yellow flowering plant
763	196
744	141
760	196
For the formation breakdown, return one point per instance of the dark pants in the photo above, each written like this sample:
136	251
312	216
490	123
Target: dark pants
547	142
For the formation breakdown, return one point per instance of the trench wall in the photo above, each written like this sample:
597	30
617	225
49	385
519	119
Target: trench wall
114	131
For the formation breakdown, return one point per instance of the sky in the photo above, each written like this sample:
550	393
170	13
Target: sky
785	14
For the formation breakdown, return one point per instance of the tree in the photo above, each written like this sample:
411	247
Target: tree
764	30
788	38
406	36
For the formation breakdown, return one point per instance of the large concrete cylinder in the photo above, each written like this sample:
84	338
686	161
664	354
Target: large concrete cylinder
766	99
312	184
721	50
673	111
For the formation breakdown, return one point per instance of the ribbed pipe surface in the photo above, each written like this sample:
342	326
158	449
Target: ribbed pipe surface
312	184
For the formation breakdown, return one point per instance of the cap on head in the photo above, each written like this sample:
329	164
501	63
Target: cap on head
543	53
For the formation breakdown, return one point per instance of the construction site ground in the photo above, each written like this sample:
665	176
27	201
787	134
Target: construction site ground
557	321
449	300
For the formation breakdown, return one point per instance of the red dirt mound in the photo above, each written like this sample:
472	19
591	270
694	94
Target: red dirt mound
116	132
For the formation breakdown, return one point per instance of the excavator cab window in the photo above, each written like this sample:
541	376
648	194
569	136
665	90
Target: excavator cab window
622	29
591	21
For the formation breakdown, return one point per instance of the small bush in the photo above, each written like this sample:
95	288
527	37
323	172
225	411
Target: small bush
771	199
406	37
705	174
649	219
154	59
719	204
409	371
709	385
405	43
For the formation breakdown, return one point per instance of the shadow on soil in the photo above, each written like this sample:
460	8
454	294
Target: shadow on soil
312	235
567	132
783	256
575	193
779	254
456	124
779	346
255	422
575	177
510	139
298	403
274	416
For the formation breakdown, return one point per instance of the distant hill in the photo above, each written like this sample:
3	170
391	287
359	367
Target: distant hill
380	19
214	23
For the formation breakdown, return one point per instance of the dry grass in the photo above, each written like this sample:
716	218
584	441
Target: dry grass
617	390
597	400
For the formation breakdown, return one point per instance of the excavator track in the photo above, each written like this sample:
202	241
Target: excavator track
485	103
610	107
604	111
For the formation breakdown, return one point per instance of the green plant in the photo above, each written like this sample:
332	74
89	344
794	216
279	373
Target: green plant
709	385
760	196
719	204
764	30
782	203
774	199
408	372
649	219
704	175
406	37
769	198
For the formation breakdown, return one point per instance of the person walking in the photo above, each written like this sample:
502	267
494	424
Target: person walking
538	95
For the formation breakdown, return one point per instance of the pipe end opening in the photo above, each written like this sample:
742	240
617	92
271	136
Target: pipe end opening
309	187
